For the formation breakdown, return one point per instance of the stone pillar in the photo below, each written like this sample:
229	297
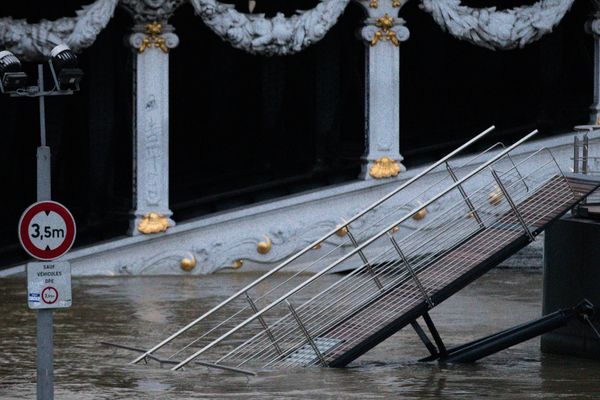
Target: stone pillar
593	28
151	43
382	34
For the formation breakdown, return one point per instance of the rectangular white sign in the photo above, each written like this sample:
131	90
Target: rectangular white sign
49	284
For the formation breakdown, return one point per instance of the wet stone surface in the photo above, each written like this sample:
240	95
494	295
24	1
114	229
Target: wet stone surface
141	311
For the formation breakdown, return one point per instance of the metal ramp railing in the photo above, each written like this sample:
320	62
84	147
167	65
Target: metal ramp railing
402	268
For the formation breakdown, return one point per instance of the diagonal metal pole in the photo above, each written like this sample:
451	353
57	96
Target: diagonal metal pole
465	197
264	324
306	334
512	205
364	259
411	271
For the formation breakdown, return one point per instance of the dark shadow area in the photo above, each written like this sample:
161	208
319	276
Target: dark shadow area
246	128
88	132
452	90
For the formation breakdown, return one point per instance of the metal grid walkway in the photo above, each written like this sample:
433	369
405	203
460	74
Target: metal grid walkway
403	267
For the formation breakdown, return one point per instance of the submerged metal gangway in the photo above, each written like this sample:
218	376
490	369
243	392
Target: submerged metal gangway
404	265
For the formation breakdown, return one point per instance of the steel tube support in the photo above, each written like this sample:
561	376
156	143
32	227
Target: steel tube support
512	204
436	335
465	197
423	336
364	259
306	334
411	271
264	325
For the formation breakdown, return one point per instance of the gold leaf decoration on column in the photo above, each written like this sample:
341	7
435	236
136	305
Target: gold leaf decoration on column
385	32
153	223
384	167
153	38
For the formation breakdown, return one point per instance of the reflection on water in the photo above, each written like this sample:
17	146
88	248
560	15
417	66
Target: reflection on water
141	311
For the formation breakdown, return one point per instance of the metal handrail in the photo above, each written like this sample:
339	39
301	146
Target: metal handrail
312	245
355	250
356	272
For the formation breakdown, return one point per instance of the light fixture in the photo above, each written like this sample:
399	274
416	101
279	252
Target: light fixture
63	64
12	76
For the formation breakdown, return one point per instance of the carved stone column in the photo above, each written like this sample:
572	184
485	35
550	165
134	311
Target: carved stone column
151	43
593	28
382	33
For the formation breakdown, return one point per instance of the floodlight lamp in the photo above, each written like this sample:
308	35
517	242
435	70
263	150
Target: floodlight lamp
63	64
12	76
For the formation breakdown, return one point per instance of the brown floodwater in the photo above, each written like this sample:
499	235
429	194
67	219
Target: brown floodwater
141	311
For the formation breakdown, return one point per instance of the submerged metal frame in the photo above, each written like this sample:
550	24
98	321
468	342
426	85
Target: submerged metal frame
332	315
312	245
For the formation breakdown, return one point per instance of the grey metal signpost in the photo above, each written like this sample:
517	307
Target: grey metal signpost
46	229
45	317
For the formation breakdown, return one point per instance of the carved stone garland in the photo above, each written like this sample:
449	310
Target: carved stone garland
33	41
269	36
493	29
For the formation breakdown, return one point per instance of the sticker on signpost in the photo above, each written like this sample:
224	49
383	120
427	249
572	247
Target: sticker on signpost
49	284
47	230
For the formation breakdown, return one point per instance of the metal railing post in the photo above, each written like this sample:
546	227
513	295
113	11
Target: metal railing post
465	197
411	271
264	325
364	258
512	204
306	334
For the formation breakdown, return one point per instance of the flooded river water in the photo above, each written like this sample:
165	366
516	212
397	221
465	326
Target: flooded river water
141	311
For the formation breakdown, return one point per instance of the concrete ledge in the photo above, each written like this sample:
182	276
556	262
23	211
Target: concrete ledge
218	241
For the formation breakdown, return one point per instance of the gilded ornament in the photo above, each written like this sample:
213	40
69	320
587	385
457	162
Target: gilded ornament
342	231
317	246
188	263
264	247
495	197
237	264
384	167
153	223
373	4
396	3
395	229
153	38
419	215
385	32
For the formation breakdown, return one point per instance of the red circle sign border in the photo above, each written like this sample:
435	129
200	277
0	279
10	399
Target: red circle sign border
48	288
26	218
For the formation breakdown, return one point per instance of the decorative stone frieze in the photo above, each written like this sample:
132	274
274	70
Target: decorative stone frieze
34	41
145	11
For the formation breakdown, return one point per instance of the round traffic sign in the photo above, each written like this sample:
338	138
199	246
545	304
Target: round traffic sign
49	295
47	230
